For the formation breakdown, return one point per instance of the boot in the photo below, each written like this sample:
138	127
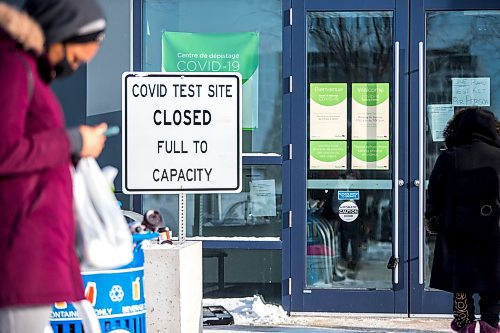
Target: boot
469	328
487	328
338	275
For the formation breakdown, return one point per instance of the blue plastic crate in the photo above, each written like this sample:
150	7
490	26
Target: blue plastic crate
117	296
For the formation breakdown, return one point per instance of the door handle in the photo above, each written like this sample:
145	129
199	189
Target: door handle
420	180
397	181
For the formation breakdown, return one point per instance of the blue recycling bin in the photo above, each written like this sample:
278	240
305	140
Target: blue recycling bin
117	296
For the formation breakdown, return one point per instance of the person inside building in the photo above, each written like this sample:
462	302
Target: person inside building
463	208
351	235
38	264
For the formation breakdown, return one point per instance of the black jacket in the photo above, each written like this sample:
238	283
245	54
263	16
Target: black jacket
464	191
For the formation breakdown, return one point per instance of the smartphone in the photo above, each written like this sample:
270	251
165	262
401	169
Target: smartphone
112	131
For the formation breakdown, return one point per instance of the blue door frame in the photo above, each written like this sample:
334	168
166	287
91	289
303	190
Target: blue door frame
409	296
422	300
393	300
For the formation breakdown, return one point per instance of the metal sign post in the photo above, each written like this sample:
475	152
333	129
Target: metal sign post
181	134
182	217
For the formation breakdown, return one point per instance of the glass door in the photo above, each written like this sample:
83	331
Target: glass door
367	126
455	63
346	177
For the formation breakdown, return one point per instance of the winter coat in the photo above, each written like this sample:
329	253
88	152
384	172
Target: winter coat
464	192
38	264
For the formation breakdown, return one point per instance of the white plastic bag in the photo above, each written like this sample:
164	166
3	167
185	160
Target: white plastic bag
103	239
90	322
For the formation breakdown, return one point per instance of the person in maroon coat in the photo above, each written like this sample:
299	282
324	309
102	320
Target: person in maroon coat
463	208
38	264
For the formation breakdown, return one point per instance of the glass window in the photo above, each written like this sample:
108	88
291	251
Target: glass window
242	273
462	69
104	72
255	212
260	20
349	178
459	45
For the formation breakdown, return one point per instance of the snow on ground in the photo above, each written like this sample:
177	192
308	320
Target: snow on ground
252	314
250	310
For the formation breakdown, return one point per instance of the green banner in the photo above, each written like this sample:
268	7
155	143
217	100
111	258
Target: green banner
229	52
370	94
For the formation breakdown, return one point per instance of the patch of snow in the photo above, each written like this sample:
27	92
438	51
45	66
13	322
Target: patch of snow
250	310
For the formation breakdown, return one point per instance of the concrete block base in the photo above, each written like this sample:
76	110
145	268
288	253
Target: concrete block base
173	288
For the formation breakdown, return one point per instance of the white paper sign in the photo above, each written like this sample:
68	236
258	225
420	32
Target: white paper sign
263	197
181	132
370	111
328	111
439	116
470	91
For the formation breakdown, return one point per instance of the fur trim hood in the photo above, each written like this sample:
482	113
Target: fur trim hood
21	28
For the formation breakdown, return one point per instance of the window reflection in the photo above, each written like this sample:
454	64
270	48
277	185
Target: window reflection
353	46
459	44
227	16
255	212
350	47
242	273
352	254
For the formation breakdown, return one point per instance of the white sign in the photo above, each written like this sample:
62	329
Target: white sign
439	116
263	197
181	132
328	111
471	91
370	111
348	211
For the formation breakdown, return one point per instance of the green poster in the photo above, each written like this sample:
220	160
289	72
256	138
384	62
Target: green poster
328	111
370	155
370	111
231	52
328	155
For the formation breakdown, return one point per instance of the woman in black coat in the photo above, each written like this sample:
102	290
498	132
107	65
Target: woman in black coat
463	208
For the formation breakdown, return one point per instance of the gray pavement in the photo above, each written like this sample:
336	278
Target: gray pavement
347	324
240	329
252	329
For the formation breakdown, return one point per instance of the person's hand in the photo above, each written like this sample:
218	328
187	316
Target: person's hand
93	140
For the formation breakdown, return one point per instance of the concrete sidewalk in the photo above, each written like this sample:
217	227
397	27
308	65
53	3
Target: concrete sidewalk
240	329
252	314
354	324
